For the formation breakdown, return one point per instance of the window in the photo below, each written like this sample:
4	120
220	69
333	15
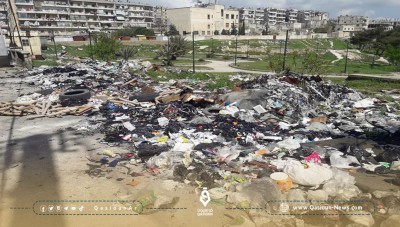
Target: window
227	25
25	42
232	16
232	25
222	13
237	16
208	33
208	16
203	33
227	16
208	26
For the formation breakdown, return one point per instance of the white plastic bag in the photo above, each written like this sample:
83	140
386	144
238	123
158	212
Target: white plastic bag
312	175
342	184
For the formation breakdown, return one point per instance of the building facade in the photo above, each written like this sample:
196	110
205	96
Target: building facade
68	16
253	20
204	20
386	24
160	19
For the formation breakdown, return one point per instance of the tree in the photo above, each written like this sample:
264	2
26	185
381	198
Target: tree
234	31
224	32
172	31
242	29
178	46
393	55
216	32
105	47
134	32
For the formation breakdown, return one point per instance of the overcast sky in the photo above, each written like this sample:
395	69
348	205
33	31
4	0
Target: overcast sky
370	8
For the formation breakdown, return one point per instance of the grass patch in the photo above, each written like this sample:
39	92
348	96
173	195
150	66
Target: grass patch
211	80
353	66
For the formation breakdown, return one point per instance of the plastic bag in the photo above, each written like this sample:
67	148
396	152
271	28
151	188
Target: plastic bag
342	184
309	175
339	160
289	144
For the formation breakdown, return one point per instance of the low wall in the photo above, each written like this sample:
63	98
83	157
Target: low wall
259	37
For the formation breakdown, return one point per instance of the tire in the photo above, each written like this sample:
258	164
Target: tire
75	95
145	97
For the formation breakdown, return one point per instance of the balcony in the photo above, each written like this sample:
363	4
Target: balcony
24	2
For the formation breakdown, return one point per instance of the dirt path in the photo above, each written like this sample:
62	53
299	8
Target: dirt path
224	66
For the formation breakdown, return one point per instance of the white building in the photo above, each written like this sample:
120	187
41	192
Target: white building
67	16
204	20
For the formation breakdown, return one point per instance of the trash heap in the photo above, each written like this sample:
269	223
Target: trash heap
276	131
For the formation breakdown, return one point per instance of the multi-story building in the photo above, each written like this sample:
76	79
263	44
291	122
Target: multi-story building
312	19
67	16
291	14
203	19
386	24
274	16
346	26
160	19
253	20
360	23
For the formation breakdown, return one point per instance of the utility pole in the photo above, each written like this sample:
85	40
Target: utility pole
194	67
90	43
236	50
285	52
347	54
248	46
54	42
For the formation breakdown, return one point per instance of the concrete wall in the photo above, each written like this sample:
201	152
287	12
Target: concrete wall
4	59
180	18
259	37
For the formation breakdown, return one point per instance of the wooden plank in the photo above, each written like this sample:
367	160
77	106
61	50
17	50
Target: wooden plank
44	111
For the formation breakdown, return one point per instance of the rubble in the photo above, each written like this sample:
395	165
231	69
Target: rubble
229	142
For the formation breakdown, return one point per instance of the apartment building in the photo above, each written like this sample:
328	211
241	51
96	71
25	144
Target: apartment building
203	19
68	16
387	24
359	23
160	19
312	19
291	14
346	26
274	16
253	20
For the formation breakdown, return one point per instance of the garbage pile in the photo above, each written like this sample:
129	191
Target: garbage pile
279	131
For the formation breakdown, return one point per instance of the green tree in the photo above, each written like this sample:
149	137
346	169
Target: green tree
234	31
224	32
242	29
105	47
134	32
393	55
216	32
172	31
177	46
